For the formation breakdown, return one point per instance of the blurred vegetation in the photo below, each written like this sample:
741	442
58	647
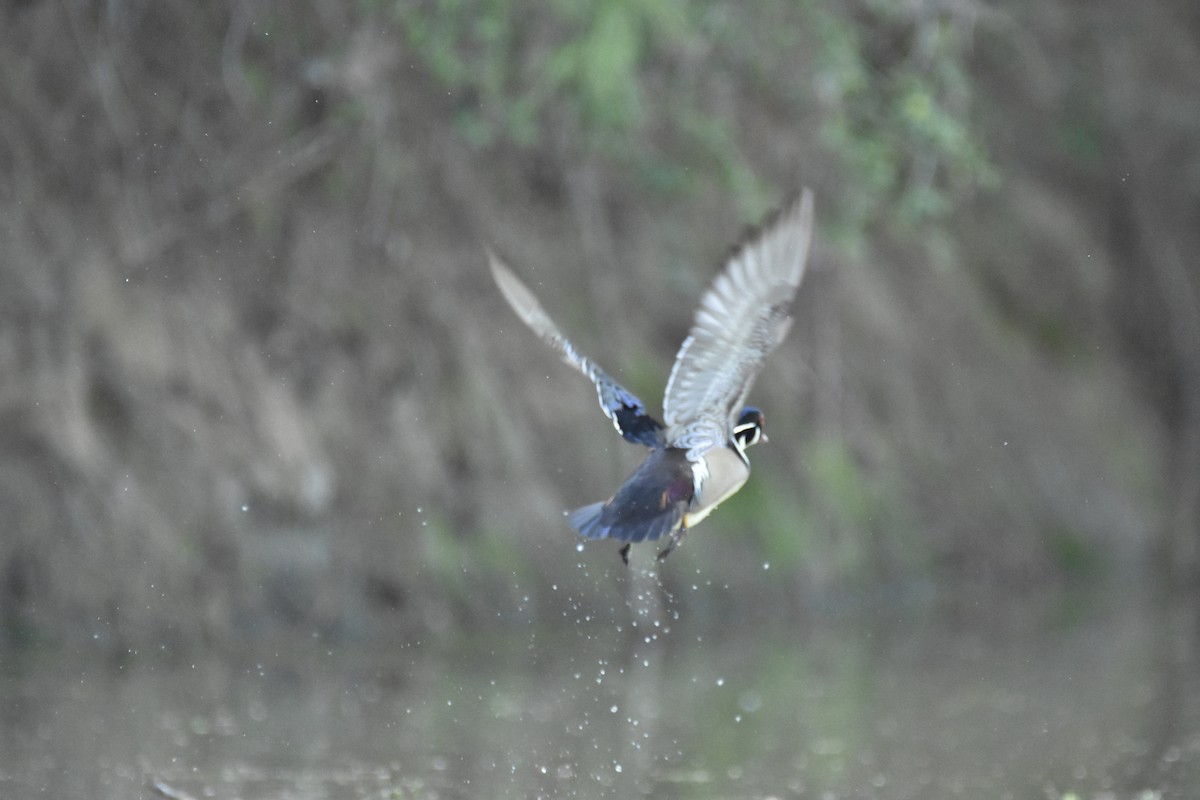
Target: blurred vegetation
255	376
889	81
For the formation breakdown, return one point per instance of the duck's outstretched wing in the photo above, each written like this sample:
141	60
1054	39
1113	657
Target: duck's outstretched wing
623	407
742	317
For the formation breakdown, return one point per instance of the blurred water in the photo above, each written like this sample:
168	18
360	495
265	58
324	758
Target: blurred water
1101	705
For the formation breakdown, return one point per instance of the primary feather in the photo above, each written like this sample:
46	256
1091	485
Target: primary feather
623	407
741	318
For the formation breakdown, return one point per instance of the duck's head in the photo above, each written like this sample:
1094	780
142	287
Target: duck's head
749	428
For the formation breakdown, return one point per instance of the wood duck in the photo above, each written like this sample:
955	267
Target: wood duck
698	458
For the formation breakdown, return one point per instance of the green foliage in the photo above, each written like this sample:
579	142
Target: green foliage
1072	554
783	523
848	497
713	140
844	523
592	68
897	114
893	115
462	566
258	81
444	555
867	521
841	483
1080	136
825	736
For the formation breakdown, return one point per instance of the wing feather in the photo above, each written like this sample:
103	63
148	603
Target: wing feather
625	409
742	317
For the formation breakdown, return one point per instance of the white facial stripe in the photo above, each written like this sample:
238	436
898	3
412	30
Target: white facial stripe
747	434
699	474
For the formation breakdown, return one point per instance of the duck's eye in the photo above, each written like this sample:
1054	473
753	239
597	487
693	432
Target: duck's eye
748	434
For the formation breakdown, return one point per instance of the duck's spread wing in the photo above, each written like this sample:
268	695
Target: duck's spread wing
742	317
624	408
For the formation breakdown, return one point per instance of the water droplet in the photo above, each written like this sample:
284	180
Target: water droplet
720	681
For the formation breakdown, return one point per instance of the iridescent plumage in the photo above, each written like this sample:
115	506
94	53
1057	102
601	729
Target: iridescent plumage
698	457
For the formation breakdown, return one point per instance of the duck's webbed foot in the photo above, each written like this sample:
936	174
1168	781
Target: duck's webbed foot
624	551
673	542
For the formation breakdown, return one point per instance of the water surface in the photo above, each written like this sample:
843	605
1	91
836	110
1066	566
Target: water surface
1103	704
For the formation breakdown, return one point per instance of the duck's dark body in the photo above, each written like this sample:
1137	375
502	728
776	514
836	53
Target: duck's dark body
651	503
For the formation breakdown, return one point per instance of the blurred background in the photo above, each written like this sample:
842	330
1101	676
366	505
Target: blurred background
255	378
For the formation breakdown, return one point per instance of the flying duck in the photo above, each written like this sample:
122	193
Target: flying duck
698	457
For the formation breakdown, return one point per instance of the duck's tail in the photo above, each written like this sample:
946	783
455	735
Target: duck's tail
586	520
593	523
